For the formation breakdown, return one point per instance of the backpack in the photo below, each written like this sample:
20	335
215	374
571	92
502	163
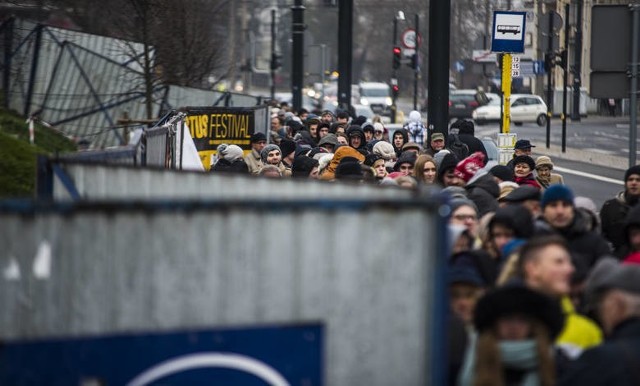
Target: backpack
457	147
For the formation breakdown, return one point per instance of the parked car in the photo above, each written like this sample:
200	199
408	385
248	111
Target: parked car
491	148
462	103
524	108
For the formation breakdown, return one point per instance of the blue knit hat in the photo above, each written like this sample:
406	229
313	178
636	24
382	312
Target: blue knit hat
557	192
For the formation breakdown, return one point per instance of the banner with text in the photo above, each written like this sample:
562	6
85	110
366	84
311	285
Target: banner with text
212	126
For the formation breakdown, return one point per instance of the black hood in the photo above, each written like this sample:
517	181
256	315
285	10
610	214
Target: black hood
633	220
487	183
516	217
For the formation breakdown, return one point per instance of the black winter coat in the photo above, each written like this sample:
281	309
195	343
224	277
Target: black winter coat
238	166
585	245
484	192
614	363
613	215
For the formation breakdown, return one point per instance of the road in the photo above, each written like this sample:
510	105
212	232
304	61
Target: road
596	156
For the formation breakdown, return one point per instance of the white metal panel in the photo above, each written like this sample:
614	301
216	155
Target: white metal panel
206	264
108	182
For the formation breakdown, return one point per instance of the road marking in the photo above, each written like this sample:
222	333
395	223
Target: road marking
588	175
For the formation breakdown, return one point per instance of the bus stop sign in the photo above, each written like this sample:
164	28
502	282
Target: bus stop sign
508	32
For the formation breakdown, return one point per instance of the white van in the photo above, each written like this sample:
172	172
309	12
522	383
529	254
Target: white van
377	95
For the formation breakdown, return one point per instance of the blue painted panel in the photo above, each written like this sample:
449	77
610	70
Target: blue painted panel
249	356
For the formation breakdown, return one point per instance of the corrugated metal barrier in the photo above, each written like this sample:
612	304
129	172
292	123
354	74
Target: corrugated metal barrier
368	269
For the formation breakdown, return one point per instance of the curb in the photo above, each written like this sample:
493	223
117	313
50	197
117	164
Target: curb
595	158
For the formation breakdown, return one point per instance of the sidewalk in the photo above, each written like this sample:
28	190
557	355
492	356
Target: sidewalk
580	155
555	152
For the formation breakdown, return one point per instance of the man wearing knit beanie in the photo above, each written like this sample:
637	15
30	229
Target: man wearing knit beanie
272	155
559	215
615	210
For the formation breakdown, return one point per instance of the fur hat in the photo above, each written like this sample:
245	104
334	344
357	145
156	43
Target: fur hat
518	299
632	170
524	159
557	192
267	149
232	153
543	160
384	150
469	166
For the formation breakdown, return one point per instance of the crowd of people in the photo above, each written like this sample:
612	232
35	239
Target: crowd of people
544	287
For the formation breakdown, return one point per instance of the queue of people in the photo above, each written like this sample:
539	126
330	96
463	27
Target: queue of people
544	288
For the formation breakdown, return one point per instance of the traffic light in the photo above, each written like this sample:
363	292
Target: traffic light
396	57
276	61
395	91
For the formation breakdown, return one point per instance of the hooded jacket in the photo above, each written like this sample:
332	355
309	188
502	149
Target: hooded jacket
355	130
405	136
342	152
483	190
466	133
586	246
448	162
613	217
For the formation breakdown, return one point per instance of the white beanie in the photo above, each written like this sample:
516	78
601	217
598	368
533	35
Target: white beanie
232	153
415	116
385	150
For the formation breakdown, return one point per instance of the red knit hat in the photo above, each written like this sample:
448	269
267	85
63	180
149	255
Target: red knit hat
468	167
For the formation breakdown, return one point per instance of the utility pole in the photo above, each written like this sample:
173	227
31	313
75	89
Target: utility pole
345	52
416	65
439	35
394	75
549	62
577	64
565	84
273	54
297	59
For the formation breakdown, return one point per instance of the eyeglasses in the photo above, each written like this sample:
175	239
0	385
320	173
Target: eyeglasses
465	217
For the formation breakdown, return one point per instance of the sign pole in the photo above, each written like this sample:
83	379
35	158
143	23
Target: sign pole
506	92
633	133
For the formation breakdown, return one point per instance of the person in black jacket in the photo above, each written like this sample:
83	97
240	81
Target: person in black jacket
614	211
466	133
560	216
615	288
230	160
